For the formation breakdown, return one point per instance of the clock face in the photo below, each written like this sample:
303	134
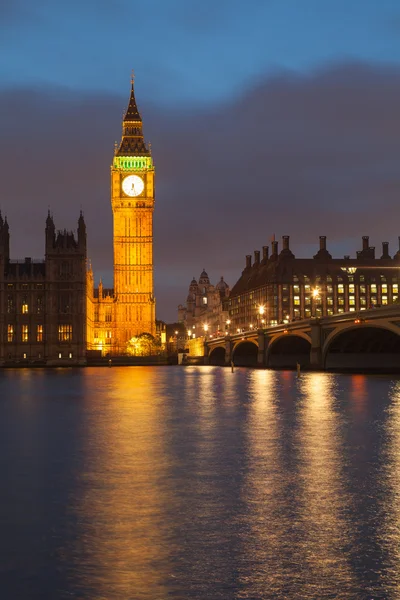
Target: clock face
133	185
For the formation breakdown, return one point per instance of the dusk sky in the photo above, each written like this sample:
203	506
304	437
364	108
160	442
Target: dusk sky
265	117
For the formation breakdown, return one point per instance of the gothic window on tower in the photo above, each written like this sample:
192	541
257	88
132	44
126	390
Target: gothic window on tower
25	333
25	307
39	333
65	269
39	305
108	316
64	302
10	304
65	333
10	333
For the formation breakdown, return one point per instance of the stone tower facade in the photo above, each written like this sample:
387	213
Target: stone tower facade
128	310
132	200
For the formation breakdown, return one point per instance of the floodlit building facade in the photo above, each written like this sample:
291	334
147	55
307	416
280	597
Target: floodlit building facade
205	309
278	287
117	315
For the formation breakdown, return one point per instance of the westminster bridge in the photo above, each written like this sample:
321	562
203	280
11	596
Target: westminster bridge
368	339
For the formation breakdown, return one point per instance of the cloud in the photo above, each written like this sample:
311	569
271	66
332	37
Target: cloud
302	156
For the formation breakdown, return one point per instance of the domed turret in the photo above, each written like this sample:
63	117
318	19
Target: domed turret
194	287
222	287
204	279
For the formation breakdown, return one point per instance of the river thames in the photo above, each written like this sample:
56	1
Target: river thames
171	482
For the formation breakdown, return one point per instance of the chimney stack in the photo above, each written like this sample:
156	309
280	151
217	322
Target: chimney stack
322	242
256	257
265	250
365	242
248	261
385	250
274	245
285	242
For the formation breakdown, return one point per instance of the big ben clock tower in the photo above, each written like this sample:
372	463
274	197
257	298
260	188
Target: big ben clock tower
132	199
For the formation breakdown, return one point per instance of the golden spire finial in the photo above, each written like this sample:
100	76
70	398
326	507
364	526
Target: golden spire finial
132	77
150	147
115	147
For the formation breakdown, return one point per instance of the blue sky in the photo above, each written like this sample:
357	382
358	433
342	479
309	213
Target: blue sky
185	51
265	116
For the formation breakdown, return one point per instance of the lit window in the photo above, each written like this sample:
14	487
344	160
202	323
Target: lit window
64	333
25	333
363	301
384	288
204	300
296	300
39	333
329	289
59	355
373	288
340	310
307	288
296	289
352	309
362	289
340	288
10	333
395	288
24	308
352	300
384	299
330	311
108	337
70	355
395	298
341	301
307	312
24	355
307	299
351	288
329	301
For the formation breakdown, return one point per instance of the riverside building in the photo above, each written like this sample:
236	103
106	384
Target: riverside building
278	287
43	302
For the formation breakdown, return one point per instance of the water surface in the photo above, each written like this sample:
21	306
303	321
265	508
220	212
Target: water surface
170	482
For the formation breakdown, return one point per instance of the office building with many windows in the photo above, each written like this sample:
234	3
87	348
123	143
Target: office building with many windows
278	287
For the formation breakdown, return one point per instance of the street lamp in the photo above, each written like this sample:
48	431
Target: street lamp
205	327
261	311
176	340
316	294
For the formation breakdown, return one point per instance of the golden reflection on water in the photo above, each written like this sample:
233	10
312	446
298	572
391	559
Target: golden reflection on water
324	501
124	542
391	502
263	490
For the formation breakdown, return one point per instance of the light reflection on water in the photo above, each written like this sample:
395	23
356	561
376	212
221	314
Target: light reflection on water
198	483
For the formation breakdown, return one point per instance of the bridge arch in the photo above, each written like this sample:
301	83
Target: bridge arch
363	346
217	355
288	349
244	353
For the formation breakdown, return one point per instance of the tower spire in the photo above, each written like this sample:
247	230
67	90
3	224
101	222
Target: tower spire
132	143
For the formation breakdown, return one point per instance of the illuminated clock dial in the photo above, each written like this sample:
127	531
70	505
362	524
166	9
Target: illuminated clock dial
133	185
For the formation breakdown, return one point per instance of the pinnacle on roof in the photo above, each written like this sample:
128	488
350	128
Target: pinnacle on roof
132	143
132	112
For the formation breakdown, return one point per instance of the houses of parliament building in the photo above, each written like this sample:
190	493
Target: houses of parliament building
50	311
